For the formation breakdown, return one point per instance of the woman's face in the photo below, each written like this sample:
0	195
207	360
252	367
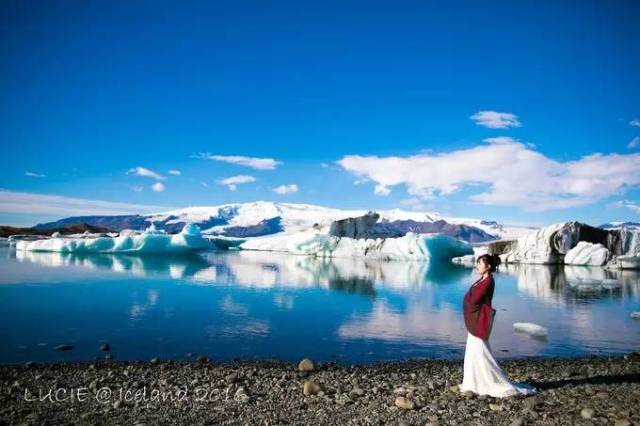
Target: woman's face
481	267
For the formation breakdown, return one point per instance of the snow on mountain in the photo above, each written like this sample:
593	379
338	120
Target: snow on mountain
632	226
504	232
294	217
265	218
297	217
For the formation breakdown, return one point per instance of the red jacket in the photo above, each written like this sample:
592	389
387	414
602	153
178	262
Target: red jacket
480	293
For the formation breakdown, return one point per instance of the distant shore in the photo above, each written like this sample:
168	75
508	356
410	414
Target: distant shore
588	390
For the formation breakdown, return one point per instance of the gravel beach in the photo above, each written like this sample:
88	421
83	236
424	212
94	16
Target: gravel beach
594	390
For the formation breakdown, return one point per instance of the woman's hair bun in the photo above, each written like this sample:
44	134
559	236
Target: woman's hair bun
491	260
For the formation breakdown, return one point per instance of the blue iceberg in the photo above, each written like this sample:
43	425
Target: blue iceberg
151	240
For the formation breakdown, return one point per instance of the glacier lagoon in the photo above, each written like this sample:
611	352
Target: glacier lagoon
227	305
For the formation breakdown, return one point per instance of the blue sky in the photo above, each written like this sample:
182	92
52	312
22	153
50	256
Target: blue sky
351	105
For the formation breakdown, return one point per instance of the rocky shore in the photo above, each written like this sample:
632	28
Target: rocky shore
417	392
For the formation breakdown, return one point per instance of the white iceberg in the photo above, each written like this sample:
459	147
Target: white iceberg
587	254
409	247
150	241
535	247
466	260
530	328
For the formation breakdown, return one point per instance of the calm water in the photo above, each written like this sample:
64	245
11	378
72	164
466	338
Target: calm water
265	305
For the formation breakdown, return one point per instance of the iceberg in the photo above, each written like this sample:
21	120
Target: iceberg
573	243
412	246
536	247
468	260
628	262
587	254
151	240
530	328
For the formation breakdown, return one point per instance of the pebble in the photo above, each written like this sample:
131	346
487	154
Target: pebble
306	365
587	413
405	403
241	395
270	392
518	421
310	388
530	403
356	392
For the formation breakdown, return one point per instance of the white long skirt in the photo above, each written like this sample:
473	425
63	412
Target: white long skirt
483	375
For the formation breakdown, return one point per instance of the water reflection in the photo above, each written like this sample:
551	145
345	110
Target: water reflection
176	267
551	283
227	304
561	283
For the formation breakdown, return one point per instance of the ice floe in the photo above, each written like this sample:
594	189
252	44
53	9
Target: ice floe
151	240
530	328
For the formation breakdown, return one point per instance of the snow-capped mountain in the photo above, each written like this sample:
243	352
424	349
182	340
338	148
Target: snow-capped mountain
266	217
634	226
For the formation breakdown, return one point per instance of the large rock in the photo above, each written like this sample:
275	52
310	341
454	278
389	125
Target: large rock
587	254
354	227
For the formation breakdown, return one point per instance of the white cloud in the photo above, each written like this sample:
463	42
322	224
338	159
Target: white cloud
286	189
137	188
175	172
253	162
635	122
627	204
142	171
32	203
32	174
233	181
496	120
512	173
381	190
158	187
634	143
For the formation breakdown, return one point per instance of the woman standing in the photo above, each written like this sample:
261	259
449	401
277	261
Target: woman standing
482	374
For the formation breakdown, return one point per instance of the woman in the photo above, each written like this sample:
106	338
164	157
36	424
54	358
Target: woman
482	374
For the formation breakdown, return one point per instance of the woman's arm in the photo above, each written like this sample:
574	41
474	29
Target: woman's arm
481	289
